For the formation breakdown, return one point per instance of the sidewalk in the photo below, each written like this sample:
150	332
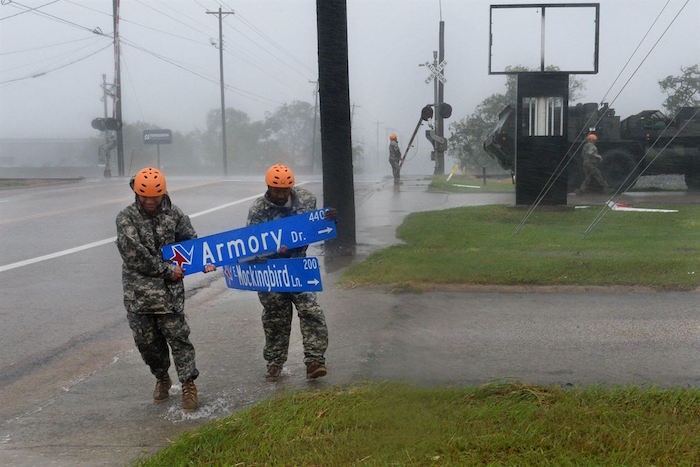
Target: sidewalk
108	418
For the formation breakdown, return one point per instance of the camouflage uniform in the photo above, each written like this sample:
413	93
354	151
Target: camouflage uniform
154	303
395	159
591	172
277	307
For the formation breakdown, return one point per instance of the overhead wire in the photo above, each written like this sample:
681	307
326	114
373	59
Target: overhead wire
96	30
8	2
46	62
171	61
568	157
611	201
41	47
43	73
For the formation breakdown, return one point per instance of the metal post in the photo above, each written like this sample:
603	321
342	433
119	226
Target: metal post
158	151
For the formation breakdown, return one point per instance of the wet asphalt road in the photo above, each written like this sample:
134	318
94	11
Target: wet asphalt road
74	392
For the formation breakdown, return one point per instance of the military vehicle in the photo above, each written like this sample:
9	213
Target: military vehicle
647	141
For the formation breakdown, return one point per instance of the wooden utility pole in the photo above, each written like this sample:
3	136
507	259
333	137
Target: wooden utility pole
221	85
439	121
336	139
118	89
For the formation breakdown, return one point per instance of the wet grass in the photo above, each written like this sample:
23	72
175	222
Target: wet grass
478	245
497	424
469	184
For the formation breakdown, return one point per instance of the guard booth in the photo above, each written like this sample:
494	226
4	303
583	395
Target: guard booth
542	44
541	138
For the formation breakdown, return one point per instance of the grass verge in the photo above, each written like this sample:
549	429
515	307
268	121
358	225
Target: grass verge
497	424
478	245
468	184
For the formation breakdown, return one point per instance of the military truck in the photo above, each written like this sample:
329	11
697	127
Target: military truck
626	145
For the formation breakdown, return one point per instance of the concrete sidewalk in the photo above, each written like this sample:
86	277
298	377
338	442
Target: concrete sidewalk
107	417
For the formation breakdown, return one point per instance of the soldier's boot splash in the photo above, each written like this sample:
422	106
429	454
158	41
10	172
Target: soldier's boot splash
161	391
189	396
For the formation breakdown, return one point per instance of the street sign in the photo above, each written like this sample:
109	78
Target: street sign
275	275
157	136
255	240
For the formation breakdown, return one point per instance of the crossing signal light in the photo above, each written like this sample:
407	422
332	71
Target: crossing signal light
104	124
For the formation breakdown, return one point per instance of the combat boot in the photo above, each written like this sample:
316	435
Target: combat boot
161	392
315	370
189	396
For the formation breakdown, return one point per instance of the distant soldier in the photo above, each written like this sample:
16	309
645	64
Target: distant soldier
154	295
395	158
591	159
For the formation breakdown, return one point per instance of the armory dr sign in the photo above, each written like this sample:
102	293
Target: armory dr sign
259	239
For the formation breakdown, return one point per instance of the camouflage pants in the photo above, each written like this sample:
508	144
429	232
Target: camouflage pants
277	324
152	335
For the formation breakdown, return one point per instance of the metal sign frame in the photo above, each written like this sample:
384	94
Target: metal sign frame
543	7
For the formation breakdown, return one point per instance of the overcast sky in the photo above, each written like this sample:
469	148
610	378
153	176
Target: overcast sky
170	69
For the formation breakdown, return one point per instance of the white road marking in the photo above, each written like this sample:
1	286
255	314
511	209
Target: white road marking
87	246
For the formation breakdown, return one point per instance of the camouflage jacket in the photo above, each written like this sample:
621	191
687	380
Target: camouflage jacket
264	210
145	275
394	152
590	153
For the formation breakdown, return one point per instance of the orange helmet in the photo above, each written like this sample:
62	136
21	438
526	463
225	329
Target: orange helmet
592	137
279	176
149	182
393	136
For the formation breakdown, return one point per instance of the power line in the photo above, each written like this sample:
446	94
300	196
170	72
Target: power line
12	52
96	30
568	157
610	202
44	61
8	2
163	58
43	73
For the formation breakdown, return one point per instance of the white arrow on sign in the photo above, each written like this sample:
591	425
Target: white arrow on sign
325	231
313	282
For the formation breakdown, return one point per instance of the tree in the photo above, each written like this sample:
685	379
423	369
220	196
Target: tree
469	133
291	127
681	91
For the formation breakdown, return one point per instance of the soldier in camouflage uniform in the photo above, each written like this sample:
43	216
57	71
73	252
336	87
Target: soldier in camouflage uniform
154	294
395	158
282	199
591	172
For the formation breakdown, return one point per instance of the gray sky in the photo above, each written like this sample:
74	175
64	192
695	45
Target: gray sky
270	57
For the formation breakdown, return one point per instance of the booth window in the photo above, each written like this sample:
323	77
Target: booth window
544	116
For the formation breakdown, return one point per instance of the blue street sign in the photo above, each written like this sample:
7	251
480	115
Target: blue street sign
259	239
275	275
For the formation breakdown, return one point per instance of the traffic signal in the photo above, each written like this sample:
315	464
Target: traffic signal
104	124
445	110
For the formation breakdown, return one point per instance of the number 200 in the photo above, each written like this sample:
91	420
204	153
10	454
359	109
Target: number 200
310	263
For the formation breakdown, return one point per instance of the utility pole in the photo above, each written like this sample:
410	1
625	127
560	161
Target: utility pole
439	121
118	89
108	170
313	138
221	83
336	138
377	160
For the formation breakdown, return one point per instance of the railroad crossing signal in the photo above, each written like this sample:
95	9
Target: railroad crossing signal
436	72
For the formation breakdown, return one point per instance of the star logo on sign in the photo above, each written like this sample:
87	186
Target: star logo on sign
182	256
